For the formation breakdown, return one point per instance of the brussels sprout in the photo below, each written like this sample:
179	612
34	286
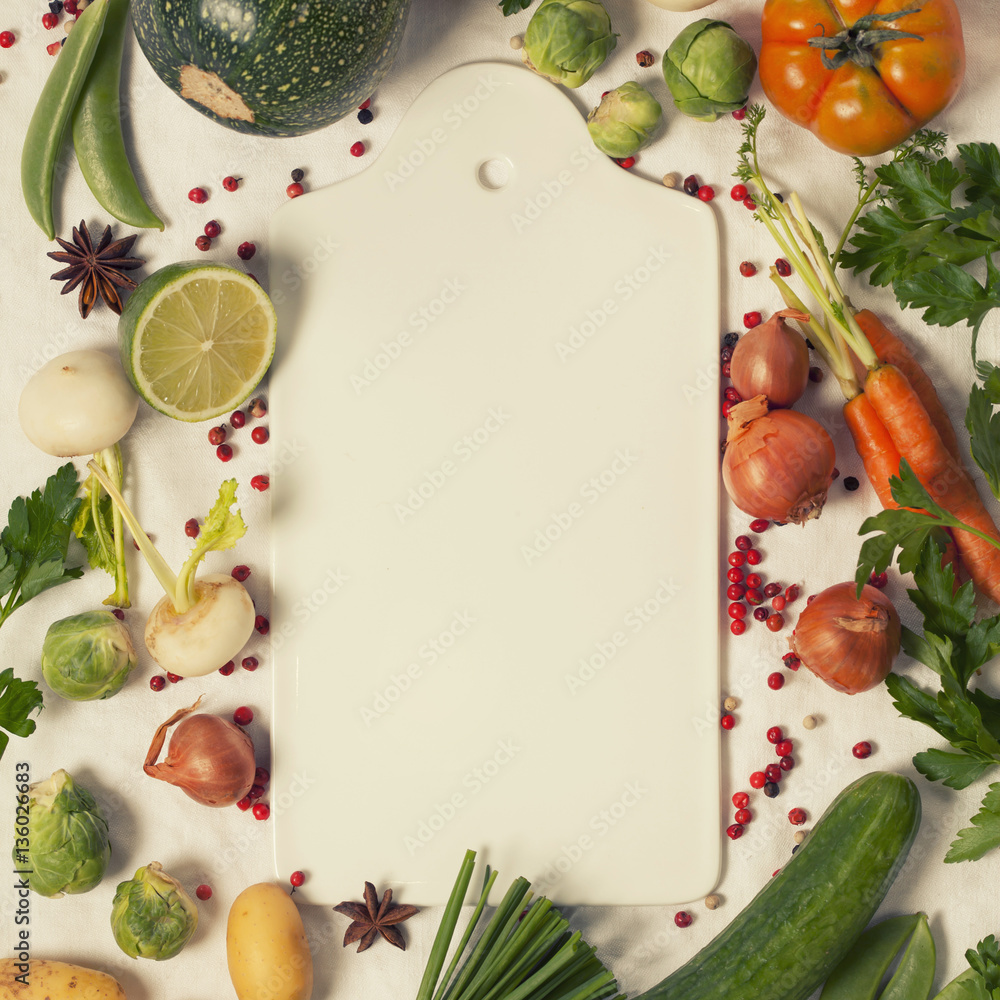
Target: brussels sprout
624	121
68	849
709	69
567	40
87	656
152	916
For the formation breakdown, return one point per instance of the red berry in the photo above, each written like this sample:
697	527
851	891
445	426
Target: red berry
754	557
759	524
727	407
262	625
757	779
364	106
261	811
250	663
257	407
682	918
245	250
119	614
243	716
760	614
198	195
738	192
737	626
862	750
786	763
735	591
227	668
261	776
791	593
778	603
217	435
734	832
783	748
796	817
691	184
294	190
54	48
743	543
733	396
726	369
240	573
878	580
231	183
203	243
727	722
49	21
741	800
6	39
224	453
748	269
296	878
734	575
772	589
203	892
752	319
791	661
783	267
644	58
244	804
772	773
157	682
739	114
754	580
737	610
749	203
358	149
775	681
815	374
237	418
743	816
706	192
775	735
754	597
212	229
256	791
174	678
775	623
626	162
260	483
737	558
771	789
259	435
192	528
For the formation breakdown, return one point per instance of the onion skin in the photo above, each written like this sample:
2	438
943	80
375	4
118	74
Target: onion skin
210	758
772	360
778	465
847	641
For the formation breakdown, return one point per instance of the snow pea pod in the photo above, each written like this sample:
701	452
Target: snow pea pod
97	129
860	972
53	112
915	975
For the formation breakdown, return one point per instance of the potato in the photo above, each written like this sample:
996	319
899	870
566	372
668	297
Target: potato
38	979
269	957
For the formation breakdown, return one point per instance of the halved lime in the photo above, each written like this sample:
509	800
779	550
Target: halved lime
196	339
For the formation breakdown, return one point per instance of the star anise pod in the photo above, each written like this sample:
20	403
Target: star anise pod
373	918
97	270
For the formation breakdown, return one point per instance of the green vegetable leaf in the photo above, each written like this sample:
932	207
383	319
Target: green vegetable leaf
513	6
921	191
956	770
35	541
94	527
947	294
982	165
222	529
18	699
984	834
984	431
912	703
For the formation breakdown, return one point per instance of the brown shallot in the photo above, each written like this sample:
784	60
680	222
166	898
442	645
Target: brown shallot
778	464
848	641
209	758
772	360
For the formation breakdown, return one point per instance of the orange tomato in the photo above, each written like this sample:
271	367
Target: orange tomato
886	88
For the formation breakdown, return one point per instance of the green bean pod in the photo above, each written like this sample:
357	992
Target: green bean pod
97	129
914	976
53	112
860	972
955	990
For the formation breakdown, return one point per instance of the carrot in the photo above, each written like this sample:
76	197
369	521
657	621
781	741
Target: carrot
905	417
891	350
875	446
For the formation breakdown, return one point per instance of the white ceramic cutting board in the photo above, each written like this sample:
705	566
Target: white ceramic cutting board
495	523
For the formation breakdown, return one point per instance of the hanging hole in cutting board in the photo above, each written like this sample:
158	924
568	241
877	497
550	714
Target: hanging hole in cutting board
494	173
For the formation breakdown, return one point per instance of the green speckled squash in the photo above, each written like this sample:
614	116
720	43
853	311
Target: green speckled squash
271	67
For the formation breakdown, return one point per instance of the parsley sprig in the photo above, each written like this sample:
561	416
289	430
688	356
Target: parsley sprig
18	699
513	6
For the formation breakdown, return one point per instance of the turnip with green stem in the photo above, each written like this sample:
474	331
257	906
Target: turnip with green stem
202	622
82	403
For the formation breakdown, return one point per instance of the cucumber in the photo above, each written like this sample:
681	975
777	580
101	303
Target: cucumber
795	931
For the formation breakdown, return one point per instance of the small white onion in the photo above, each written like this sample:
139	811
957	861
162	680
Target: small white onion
682	5
77	404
